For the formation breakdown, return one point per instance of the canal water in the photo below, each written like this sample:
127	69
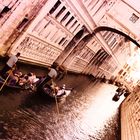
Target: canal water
88	113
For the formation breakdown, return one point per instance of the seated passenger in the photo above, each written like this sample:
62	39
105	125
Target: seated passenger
58	91
14	78
32	78
61	91
23	80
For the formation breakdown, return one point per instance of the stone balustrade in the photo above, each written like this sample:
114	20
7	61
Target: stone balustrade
35	50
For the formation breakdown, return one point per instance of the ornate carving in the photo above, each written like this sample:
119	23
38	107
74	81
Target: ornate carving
36	50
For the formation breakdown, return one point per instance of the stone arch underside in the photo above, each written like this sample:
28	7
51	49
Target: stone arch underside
105	28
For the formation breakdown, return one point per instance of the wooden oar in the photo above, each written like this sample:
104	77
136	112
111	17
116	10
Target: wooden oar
5	80
57	107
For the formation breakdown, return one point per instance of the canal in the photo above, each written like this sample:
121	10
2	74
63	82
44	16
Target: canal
88	113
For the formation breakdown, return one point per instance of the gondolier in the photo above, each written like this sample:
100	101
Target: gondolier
50	76
10	64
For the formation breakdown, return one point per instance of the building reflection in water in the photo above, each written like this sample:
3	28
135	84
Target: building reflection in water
99	110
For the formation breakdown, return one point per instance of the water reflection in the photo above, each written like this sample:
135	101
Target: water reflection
88	114
99	110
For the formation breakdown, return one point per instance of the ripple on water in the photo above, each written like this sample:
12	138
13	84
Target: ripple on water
85	115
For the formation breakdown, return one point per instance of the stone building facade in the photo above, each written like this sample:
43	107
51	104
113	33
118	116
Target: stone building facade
62	31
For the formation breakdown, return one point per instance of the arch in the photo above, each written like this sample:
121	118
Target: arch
87	37
76	50
79	34
70	46
81	44
105	28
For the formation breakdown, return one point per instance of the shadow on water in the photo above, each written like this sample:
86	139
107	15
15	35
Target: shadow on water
36	99
34	116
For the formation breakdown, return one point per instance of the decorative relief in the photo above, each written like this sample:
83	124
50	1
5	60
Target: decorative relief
78	64
86	54
36	50
50	31
82	60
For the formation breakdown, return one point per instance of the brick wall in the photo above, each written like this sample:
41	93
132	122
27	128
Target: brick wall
130	117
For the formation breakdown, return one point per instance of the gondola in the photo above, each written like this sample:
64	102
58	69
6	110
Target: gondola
116	97
119	92
8	85
61	93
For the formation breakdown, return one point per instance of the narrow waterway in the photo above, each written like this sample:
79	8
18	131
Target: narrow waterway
88	113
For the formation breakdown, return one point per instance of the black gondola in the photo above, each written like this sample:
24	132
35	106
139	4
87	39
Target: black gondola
116	97
119	92
60	93
8	85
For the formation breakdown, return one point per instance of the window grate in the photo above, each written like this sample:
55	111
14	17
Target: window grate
134	18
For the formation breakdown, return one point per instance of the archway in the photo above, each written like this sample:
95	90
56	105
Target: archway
126	36
70	47
105	28
77	49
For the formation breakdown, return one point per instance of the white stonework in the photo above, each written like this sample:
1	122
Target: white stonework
125	19
45	28
10	20
49	33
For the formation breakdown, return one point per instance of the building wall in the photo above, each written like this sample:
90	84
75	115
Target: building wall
54	25
129	19
113	18
85	55
48	34
12	13
130	117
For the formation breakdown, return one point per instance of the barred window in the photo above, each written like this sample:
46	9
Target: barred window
76	27
23	23
134	18
62	40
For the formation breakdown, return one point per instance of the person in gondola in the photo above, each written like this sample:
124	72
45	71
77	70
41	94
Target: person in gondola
10	64
61	91
32	80
55	90
14	77
52	74
23	80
